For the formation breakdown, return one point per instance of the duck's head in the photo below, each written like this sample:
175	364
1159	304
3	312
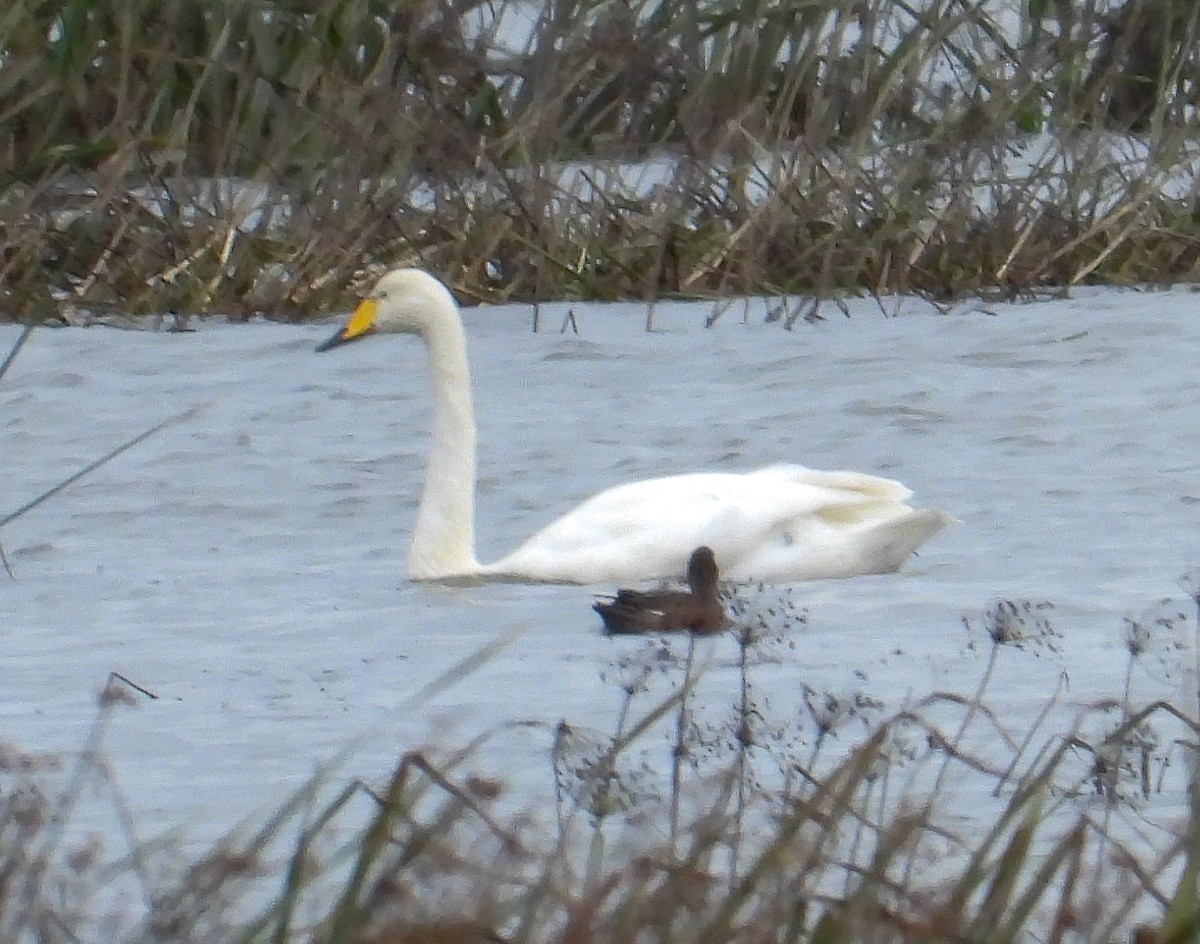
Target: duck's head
702	574
405	301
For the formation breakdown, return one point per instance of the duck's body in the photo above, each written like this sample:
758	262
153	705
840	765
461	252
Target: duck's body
776	524
699	610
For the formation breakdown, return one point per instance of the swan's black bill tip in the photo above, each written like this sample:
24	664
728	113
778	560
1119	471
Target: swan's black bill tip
331	342
344	335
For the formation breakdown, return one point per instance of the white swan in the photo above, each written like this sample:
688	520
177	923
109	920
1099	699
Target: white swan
776	524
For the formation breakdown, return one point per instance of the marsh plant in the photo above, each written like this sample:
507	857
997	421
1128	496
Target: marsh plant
266	157
667	826
690	820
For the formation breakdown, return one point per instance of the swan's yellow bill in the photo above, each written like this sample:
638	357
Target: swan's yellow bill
361	322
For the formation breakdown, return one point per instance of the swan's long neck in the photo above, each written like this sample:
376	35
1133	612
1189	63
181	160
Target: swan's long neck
443	543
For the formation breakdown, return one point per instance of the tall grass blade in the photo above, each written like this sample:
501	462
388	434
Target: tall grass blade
465	666
93	466
17	345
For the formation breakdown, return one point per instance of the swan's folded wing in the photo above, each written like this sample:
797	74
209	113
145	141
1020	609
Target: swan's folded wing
822	548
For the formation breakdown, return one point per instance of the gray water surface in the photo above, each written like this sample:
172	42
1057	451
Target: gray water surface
247	564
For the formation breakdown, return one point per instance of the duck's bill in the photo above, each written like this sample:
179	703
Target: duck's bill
358	325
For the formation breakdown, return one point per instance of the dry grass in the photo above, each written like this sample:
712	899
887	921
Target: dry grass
255	157
853	844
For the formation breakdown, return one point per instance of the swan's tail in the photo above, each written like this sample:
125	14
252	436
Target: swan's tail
887	545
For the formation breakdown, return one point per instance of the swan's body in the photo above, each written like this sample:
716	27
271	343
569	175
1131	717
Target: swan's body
776	524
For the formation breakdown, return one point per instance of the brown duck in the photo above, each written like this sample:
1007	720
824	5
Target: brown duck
697	611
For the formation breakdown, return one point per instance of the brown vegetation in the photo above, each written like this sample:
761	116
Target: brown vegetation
263	157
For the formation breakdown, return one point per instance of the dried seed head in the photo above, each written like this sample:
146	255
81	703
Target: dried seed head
1162	631
1021	623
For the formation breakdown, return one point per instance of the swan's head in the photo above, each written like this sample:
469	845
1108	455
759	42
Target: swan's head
702	572
405	301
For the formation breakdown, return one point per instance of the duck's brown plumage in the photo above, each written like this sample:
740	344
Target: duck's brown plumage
697	611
